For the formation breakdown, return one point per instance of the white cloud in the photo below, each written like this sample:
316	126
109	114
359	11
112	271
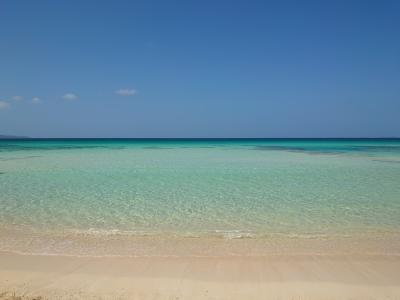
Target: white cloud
4	105
126	92
36	100
17	98
70	96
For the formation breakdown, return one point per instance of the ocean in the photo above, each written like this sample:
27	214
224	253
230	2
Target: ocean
136	196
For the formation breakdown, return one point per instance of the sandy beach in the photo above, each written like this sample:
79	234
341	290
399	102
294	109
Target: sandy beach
268	277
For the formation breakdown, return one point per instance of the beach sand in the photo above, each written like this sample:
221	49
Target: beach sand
230	277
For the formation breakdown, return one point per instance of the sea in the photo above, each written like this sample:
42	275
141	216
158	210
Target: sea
199	196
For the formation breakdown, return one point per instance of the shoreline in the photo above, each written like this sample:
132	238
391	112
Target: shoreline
34	243
268	277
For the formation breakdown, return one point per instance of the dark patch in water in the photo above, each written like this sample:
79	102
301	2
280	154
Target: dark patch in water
377	148
269	148
296	150
327	151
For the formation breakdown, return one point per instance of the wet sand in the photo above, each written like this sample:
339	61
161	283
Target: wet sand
229	277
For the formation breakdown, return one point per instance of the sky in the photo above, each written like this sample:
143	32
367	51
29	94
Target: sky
200	68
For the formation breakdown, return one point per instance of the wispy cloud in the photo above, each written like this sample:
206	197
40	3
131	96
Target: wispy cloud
126	92
4	104
17	98
70	96
36	100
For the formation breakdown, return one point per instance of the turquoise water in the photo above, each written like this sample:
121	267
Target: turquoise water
252	188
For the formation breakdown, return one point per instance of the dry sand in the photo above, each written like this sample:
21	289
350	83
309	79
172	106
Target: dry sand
268	277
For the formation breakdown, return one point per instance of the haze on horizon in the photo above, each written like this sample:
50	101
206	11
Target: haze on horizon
200	68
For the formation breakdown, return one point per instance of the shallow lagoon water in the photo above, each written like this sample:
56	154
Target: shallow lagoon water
229	189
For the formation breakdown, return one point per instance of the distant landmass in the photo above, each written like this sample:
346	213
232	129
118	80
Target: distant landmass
2	136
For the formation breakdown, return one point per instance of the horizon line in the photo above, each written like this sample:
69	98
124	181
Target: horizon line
10	137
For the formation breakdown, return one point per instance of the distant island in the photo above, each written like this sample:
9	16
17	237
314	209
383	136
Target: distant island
2	136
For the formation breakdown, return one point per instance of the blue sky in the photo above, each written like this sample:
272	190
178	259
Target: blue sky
200	68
